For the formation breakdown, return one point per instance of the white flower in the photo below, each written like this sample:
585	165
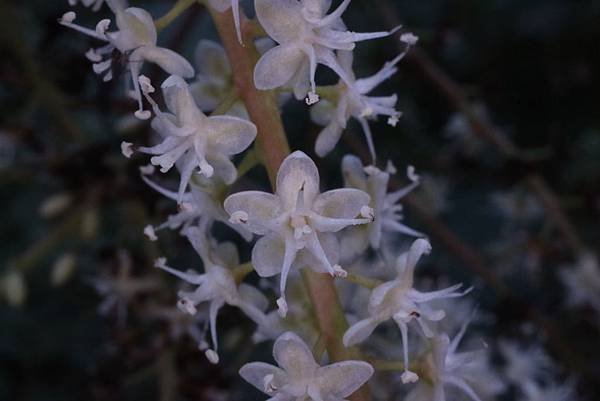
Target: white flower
193	139
200	206
445	367
524	364
552	392
216	286
214	82
398	300
135	39
120	289
299	377
351	100
94	4
306	37
385	204
583	282
297	221
224	5
180	323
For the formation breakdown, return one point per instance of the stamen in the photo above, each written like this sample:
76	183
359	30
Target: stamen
239	217
206	169
212	356
127	149
283	307
68	17
102	26
149	232
312	98
367	212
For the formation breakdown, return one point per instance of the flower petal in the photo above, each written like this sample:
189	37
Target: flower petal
343	378
294	356
230	135
211	59
223	167
267	255
344	203
328	138
277	66
331	248
359	331
297	172
261	207
282	19
255	373
166	59
353	172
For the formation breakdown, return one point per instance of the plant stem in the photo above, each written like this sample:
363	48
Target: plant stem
173	13
272	143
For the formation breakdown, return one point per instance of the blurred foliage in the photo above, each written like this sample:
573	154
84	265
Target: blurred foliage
530	68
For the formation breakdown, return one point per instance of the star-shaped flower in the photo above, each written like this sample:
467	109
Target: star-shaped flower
306	37
217	285
385	204
398	300
297	221
444	367
350	100
299	377
135	40
193	139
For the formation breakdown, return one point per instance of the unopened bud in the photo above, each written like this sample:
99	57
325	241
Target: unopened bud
62	270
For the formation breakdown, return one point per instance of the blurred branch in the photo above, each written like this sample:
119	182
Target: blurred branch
460	101
178	8
13	38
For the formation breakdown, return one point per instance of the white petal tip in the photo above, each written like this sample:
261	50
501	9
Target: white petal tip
67	17
339	272
143	114
127	149
409	38
212	356
239	217
160	262
102	26
312	98
409	377
283	307
412	174
367	213
146	84
149	232
148	169
393	120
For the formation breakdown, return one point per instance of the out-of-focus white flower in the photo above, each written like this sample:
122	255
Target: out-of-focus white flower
181	323
307	37
216	286
524	364
200	206
554	392
385	204
55	204
351	100
62	269
299	377
120	289
398	300
13	287
193	139
445	367
93	4
297	221
135	40
582	281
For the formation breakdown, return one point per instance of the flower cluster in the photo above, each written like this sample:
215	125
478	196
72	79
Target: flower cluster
200	125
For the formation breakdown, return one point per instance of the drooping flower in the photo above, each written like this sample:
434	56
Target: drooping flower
120	289
385	204
216	286
306	37
398	300
135	40
444	367
350	100
193	139
582	282
524	363
200	206
297	221
299	376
